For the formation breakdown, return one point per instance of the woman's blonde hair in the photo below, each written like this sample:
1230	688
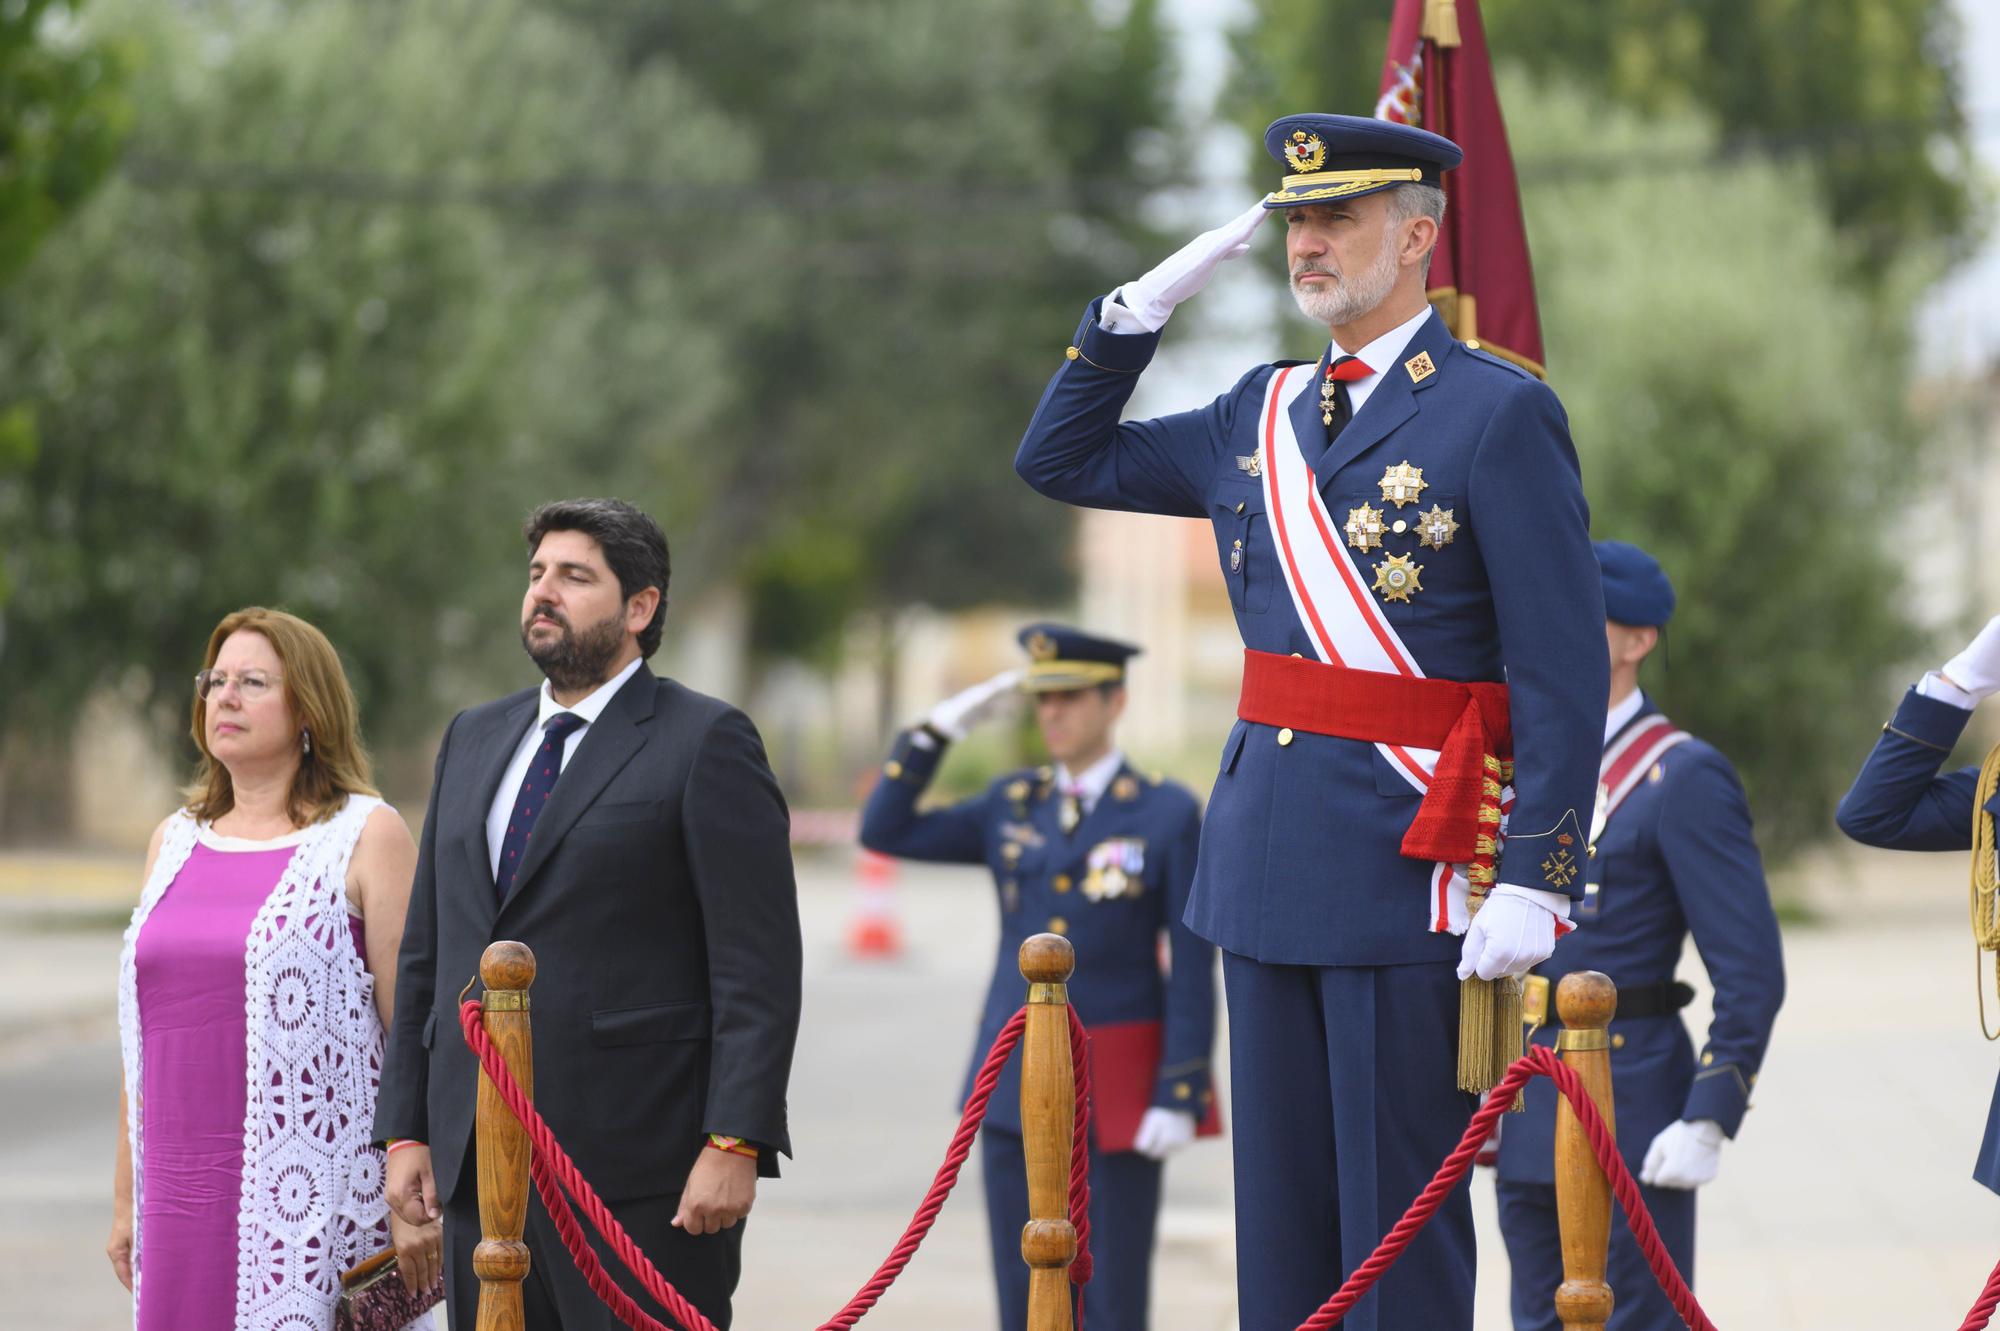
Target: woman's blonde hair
316	689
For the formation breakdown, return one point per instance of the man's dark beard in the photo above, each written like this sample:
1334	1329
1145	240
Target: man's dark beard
576	661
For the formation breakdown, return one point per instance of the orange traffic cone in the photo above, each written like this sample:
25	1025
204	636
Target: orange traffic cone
874	931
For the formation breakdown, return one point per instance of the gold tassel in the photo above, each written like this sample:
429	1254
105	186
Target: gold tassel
1475	1035
1440	22
1986	877
1507	1035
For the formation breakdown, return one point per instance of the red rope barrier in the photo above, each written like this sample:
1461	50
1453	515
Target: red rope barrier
555	1174
1982	1307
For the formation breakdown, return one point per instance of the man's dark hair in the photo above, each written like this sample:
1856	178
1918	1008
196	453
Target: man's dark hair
633	545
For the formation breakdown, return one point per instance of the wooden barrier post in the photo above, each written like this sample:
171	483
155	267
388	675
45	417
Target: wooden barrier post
1048	1125
1585	1000
501	1259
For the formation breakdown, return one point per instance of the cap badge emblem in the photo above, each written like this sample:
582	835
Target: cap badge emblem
1041	647
1305	151
1402	484
1397	578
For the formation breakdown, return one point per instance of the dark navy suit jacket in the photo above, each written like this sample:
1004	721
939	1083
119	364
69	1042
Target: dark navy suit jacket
1040	876
1301	859
1677	857
1901	801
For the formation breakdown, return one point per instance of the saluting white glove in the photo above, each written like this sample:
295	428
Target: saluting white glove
1162	1132
968	707
1150	299
1686	1154
1510	935
1977	669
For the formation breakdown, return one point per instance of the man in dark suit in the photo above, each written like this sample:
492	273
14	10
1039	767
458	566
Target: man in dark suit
629	831
1672	855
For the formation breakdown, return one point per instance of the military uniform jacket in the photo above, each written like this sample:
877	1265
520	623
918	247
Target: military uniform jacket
1301	858
1677	857
1111	887
1901	801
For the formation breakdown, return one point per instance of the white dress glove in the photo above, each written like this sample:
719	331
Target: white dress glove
968	707
1162	1132
1509	935
1977	668
1148	301
1685	1155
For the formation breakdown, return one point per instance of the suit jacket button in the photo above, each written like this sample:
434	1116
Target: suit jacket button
1617	1041
892	769
1284	737
1183	1091
1058	925
1060	882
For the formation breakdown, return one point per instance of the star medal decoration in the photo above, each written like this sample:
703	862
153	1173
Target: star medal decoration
1397	577
1402	484
1364	528
1436	527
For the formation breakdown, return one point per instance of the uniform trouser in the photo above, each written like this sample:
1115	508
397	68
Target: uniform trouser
1534	1253
1344	1090
1124	1206
556	1297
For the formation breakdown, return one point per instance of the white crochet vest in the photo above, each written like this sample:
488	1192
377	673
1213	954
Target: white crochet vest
312	1203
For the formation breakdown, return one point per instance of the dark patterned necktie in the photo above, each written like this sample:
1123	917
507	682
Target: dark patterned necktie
1336	407
535	787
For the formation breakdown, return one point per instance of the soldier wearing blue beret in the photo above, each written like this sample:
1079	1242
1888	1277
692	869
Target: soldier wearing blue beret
1901	800
1090	849
1402	531
1672	855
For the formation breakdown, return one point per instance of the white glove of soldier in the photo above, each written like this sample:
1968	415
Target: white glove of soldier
968	707
1162	1132
1977	669
1510	935
1686	1154
1149	300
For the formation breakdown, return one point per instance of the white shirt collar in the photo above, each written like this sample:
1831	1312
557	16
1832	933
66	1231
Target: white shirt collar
1616	719
1380	354
1095	779
591	707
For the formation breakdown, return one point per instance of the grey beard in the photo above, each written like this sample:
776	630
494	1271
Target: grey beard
578	660
1350	300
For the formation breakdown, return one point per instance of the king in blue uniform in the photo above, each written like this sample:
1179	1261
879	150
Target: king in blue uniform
1672	855
1406	518
1090	849
1902	801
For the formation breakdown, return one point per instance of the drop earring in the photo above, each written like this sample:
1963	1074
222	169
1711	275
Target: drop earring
306	742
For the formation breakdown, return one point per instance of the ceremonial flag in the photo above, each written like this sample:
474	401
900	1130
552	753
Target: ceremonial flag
1438	75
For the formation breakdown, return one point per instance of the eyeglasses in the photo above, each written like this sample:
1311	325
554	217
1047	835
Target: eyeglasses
251	685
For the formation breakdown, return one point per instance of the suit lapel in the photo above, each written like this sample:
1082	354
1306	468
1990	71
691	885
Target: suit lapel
1393	401
601	754
489	764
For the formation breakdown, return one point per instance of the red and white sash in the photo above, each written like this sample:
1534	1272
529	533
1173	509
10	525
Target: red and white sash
1342	620
1626	761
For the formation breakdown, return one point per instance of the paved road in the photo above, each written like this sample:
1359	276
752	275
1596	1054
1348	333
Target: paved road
1846	1202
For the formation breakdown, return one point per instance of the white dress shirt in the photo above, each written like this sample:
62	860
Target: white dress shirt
1936	687
588	710
1621	712
1091	783
1379	355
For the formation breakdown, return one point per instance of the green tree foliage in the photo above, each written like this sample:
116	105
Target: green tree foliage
62	116
1725	395
1867	91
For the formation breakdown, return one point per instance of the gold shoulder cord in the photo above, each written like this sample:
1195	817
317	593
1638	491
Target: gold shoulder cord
1985	881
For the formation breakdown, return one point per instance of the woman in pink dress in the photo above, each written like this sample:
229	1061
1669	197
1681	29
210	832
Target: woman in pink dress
256	979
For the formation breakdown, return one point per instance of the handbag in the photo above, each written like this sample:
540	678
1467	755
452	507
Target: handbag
373	1297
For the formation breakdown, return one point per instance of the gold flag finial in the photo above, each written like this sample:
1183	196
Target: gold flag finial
1440	22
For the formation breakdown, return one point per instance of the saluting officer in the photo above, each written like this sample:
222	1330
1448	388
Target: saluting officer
1403	533
1673	855
1090	849
1901	801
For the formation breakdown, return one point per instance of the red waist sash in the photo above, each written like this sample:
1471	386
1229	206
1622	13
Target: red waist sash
1466	723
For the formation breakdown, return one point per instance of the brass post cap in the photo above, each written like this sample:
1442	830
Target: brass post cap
507	965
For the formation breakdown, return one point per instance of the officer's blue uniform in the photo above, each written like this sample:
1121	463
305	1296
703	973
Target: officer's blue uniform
1901	801
1151	1033
1676	857
1343	1003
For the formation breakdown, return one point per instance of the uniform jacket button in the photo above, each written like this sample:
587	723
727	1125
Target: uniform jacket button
1284	737
1060	882
1058	925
